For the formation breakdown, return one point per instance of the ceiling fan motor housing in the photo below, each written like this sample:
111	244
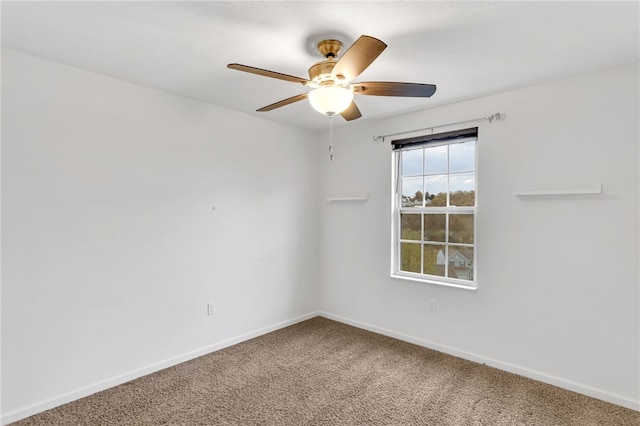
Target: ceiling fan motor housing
320	73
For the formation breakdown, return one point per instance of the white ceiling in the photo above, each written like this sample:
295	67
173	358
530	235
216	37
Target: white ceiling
468	49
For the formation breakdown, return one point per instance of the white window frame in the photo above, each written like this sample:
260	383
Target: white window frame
396	233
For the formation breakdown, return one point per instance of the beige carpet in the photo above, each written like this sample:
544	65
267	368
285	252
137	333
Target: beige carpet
321	372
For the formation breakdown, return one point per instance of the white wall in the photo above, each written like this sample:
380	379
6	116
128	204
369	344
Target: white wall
558	277
111	249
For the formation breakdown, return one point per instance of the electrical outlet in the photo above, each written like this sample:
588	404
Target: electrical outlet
211	308
433	305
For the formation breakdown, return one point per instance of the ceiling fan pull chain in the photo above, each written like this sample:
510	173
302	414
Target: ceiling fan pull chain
331	137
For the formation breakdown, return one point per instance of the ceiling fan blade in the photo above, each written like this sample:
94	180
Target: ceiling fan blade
358	57
351	113
267	73
284	102
392	88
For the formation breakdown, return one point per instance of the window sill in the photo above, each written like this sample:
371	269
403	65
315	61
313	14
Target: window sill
471	287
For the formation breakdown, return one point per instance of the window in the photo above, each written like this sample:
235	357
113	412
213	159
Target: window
434	208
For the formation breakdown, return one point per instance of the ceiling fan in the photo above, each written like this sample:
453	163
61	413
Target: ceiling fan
332	79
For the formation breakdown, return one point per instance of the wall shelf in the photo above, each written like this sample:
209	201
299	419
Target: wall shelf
541	192
347	199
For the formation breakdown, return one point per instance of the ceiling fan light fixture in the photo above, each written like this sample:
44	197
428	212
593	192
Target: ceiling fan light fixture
330	100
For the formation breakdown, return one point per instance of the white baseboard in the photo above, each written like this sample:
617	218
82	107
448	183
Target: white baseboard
29	410
501	365
38	407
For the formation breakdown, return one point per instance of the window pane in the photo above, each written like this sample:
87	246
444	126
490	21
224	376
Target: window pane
461	262
434	214
412	192
434	262
436	190
460	228
462	189
435	160
410	257
435	227
411	226
412	162
462	157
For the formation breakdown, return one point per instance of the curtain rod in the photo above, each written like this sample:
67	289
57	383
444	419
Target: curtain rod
490	118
